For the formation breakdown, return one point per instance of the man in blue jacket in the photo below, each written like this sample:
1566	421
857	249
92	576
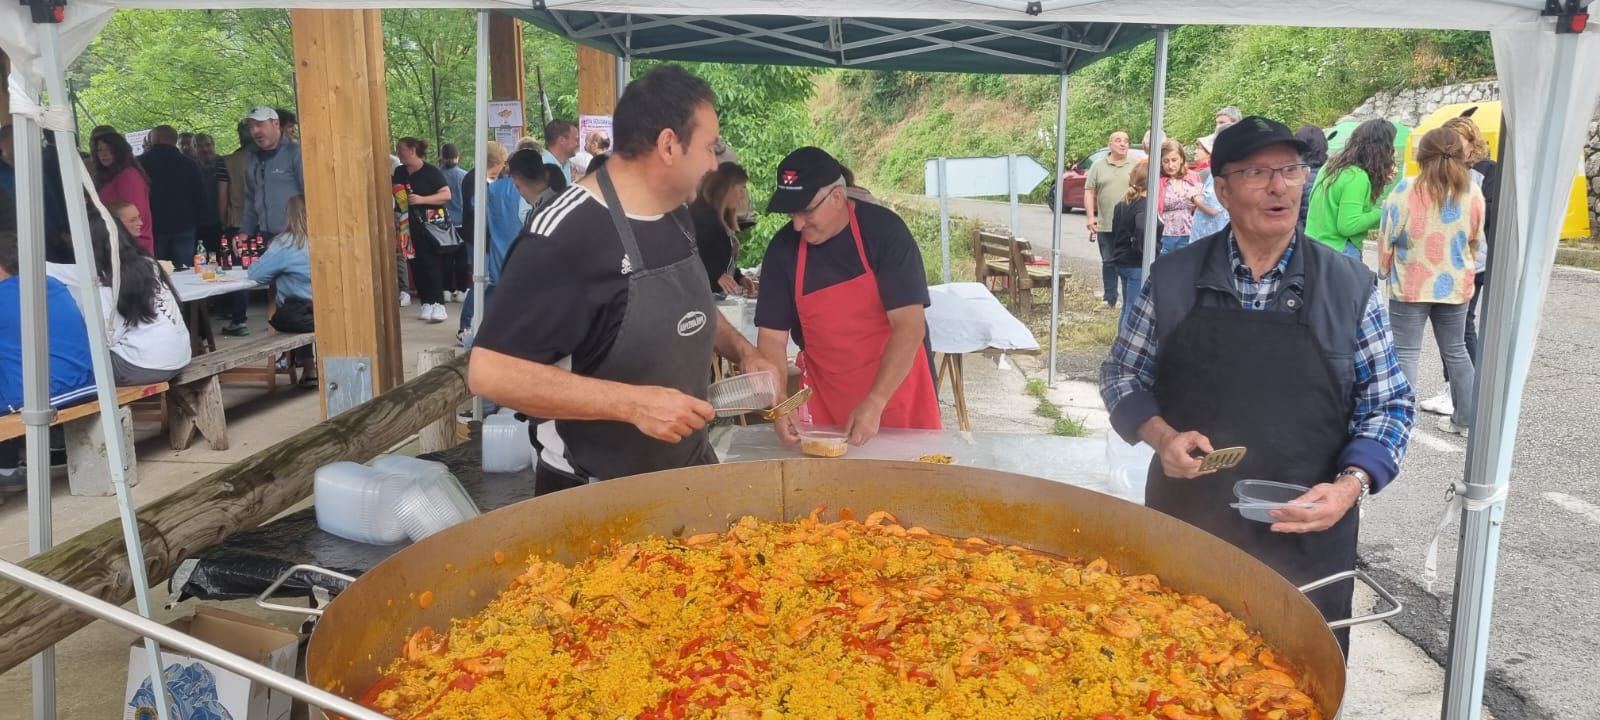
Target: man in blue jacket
71	371
275	174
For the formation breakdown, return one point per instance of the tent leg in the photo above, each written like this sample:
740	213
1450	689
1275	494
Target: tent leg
36	412
1524	254
117	449
480	180
1055	231
1158	103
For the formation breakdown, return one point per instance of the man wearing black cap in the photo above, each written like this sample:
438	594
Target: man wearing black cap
1257	337
602	326
846	280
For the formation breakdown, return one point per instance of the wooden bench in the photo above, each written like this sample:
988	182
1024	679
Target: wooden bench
1010	261
88	462
195	400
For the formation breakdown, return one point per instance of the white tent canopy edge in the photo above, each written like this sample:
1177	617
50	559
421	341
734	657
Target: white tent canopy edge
1539	76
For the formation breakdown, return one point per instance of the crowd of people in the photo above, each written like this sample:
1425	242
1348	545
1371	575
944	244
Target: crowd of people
1433	232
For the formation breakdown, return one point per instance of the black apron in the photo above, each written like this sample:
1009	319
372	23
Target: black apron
667	338
1257	378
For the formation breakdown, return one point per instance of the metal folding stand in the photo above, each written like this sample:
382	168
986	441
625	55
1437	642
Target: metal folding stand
30	117
1055	230
480	181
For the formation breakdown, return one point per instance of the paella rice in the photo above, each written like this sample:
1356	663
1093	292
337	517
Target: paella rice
843	619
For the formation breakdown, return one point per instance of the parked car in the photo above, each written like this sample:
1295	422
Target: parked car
1071	188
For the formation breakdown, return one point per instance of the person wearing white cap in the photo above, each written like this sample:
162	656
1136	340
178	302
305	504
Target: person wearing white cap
1209	214
275	174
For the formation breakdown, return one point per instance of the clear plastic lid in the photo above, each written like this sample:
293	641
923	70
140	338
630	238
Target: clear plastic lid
742	393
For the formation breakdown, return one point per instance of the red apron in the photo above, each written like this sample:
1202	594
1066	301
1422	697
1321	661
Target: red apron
846	330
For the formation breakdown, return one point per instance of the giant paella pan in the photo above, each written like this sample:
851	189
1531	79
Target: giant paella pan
405	607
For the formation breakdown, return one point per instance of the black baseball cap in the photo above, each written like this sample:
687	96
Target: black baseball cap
800	176
1237	141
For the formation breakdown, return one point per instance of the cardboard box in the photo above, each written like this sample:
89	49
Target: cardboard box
203	691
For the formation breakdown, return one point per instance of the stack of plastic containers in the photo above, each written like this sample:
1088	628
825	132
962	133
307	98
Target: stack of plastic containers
506	447
357	502
434	502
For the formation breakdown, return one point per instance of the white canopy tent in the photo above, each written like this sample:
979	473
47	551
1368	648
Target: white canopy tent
1545	77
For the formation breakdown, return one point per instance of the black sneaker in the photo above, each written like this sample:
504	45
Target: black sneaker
236	330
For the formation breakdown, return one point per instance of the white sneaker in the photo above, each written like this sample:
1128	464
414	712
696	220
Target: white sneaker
425	312
1440	404
405	299
1445	424
439	313
461	296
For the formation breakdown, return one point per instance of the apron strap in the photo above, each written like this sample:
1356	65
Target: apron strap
630	244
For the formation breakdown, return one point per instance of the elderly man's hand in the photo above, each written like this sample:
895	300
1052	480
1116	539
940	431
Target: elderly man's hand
1178	454
1333	500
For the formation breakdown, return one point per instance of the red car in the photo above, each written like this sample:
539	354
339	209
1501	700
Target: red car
1071	191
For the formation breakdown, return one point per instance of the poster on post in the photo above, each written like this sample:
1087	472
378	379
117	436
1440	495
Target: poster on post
505	113
592	123
508	137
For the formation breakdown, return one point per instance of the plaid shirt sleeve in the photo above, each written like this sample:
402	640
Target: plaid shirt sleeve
1129	372
1385	404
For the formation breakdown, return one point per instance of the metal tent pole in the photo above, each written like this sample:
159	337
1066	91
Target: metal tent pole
1158	102
480	182
1055	230
944	221
1523	263
36	411
72	173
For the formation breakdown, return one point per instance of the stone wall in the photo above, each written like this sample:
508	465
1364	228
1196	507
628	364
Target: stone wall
1409	107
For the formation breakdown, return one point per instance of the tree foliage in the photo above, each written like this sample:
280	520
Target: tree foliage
889	122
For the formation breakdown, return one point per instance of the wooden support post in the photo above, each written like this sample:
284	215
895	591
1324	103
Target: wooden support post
441	433
198	515
507	75
597	81
344	119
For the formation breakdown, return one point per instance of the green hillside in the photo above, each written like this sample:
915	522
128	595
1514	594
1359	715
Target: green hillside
885	124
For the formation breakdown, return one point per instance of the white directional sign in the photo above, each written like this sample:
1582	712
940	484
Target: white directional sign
983	176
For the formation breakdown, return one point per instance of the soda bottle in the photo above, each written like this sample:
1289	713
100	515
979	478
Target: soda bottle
199	258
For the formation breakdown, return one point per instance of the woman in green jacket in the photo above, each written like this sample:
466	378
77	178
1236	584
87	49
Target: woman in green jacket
1346	205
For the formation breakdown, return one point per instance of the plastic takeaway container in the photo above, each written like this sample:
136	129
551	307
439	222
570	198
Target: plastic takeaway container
429	507
506	447
742	393
1259	497
357	502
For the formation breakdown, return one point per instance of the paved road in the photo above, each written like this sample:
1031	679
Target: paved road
1547	610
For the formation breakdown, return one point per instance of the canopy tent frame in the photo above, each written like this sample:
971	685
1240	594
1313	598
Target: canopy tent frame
1550	85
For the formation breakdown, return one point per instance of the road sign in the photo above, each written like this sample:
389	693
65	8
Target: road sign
983	176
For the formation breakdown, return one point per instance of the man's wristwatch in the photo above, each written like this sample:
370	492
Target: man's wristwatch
1362	477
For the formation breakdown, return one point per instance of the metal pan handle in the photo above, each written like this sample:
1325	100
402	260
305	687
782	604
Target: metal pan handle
264	601
1376	588
172	639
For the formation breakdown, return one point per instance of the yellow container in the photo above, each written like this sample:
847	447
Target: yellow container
1574	225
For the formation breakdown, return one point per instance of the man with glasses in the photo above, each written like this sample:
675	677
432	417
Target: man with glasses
1258	337
845	279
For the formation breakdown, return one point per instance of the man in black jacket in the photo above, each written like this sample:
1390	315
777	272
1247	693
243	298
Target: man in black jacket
176	194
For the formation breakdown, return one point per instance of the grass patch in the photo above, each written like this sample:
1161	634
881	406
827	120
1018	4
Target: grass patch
1036	388
1583	255
1083	326
1047	410
1070	427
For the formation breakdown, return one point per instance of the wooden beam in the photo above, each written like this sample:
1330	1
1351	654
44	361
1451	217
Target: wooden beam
343	115
597	82
201	514
507	75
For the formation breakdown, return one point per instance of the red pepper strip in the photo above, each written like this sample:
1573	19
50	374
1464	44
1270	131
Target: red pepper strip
680	590
692	647
1172	652
1147	655
1150	700
378	688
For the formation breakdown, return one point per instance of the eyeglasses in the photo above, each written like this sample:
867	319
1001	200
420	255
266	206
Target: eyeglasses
1255	178
813	208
